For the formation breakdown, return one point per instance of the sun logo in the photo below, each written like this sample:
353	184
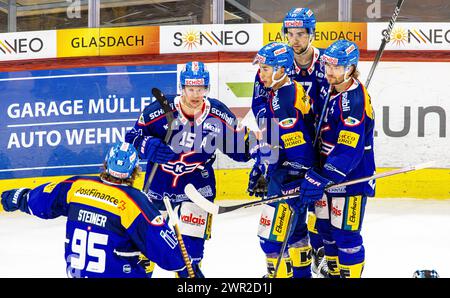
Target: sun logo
399	36
191	39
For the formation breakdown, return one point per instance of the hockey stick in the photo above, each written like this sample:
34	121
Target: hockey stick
174	221
384	41
212	208
386	38
169	116
322	115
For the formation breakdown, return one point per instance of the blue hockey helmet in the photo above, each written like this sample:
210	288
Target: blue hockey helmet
341	52
121	160
276	54
194	73
425	274
299	18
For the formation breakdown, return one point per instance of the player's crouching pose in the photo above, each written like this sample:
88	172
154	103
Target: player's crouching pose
346	142
109	222
286	109
201	126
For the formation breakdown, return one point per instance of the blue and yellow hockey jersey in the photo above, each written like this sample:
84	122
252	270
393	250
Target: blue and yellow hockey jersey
312	79
108	226
289	107
346	140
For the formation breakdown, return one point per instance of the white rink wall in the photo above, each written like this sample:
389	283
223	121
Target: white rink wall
411	108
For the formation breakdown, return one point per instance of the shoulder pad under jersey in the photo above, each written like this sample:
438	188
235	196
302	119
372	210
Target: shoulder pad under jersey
355	104
220	110
282	103
154	111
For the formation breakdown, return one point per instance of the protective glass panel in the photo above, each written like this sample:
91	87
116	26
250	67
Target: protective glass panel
51	14
3	16
273	11
411	11
115	13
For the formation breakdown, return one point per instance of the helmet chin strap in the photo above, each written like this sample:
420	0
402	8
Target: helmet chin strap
274	81
346	79
347	70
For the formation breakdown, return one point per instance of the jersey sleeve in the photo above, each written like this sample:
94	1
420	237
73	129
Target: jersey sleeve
234	136
48	200
153	236
355	111
292	109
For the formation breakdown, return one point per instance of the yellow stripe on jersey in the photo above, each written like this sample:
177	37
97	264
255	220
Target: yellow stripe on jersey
368	104
105	197
302	101
49	187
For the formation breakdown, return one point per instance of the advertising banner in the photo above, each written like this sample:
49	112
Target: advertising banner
27	45
60	122
411	115
108	41
326	33
210	38
411	36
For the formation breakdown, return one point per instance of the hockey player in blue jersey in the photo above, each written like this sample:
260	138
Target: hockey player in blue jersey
110	224
287	107
346	143
201	126
299	26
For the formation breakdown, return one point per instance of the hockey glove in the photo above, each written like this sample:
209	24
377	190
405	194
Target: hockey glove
257	183
198	273
258	178
313	187
13	199
154	150
291	188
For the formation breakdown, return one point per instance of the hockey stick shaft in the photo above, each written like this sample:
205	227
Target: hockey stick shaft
386	38
169	116
322	115
174	221
285	241
197	198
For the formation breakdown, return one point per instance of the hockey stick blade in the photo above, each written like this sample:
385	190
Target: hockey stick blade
200	200
173	219
206	205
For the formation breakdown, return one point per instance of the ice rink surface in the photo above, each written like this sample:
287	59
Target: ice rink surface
400	236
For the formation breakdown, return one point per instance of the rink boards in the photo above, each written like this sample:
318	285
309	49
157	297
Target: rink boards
58	123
